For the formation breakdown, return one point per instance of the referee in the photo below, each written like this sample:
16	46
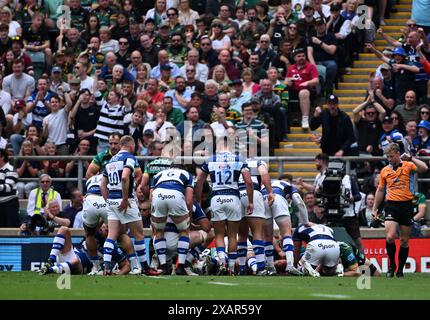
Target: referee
397	183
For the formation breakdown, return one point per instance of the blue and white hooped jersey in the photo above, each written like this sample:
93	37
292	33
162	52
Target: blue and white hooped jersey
282	188
253	166
93	185
113	171
315	232
225	169
173	179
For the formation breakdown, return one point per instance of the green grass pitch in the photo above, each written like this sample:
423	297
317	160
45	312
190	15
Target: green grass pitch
29	285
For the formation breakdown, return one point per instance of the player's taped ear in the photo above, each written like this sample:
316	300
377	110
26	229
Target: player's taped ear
184	225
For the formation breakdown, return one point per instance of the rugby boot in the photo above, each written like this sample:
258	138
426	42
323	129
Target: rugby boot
149	271
399	274
271	271
391	271
293	271
262	272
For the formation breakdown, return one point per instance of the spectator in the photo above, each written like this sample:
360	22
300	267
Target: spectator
152	96
57	85
382	89
208	55
409	109
365	215
177	50
142	74
192	122
174	115
369	126
159	125
18	84
92	27
162	38
53	213
258	71
6	18
55	168
72	167
187	16
39	103
41	196
158	13
403	71
271	103
209	99
84	117
8	197
398	122
423	113
36	39
19	54
253	127
148	50
411	134
86	82
306	25
192	83
224	58
135	129
73	42
276	31
26	169
181	95
220	41
266	54
111	117
201	70
302	78
240	16
220	125
322	51
249	86
148	138
390	135
232	115
134	63
55	124
20	122
238	96
163	59
422	142
221	77
337	131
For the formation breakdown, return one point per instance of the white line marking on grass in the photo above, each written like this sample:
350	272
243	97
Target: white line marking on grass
224	283
157	277
336	296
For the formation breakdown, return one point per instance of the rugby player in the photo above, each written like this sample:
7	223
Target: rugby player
171	195
279	211
224	169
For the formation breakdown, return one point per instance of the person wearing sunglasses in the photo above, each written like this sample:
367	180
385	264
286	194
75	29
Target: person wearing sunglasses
367	119
41	196
220	40
424	113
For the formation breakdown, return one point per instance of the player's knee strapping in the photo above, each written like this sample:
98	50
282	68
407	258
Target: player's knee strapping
158	225
183	225
57	246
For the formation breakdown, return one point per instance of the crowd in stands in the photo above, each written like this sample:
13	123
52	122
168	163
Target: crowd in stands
143	68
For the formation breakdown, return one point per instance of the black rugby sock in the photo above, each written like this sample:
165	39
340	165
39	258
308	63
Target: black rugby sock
403	255
391	251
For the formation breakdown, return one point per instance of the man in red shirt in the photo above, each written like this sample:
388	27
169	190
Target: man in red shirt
302	79
152	96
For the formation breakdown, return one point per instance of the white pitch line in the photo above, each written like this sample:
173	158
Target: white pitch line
336	296
224	283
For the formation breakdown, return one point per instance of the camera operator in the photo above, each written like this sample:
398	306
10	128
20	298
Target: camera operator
321	163
339	193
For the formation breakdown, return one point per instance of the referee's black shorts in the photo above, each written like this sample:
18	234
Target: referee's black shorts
401	212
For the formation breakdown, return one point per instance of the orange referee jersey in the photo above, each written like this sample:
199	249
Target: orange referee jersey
399	183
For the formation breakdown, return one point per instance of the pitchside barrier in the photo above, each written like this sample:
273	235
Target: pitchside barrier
19	253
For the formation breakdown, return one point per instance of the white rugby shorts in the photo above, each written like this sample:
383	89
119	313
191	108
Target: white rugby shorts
325	252
167	202
226	207
259	208
131	214
94	208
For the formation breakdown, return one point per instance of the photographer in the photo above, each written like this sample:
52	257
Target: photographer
45	224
